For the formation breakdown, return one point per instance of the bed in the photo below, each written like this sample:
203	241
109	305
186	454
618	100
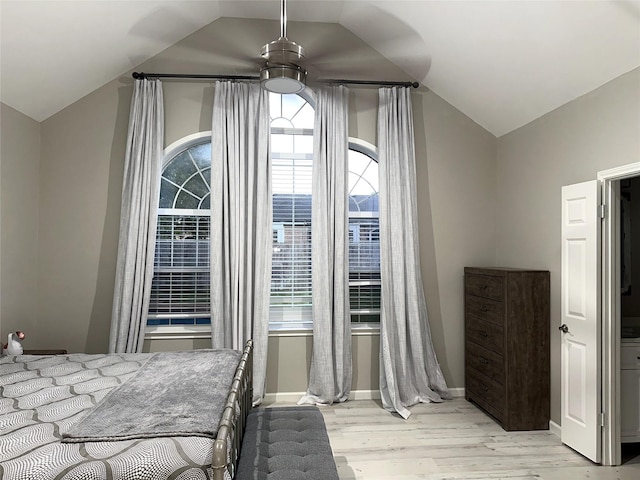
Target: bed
69	417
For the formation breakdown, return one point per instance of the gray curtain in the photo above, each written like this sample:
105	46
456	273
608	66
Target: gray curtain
241	225
138	217
330	373
409	370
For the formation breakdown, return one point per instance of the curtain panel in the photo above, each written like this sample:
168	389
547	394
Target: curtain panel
138	218
409	370
331	370
241	222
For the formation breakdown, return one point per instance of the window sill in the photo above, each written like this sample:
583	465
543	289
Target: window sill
204	331
357	330
177	332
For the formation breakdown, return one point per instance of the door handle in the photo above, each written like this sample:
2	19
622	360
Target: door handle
563	328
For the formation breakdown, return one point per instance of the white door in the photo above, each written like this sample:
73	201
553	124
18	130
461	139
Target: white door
580	318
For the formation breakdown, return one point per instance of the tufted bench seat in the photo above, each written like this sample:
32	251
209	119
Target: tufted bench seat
286	443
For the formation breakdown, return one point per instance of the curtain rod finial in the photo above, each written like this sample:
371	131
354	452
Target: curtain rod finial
138	75
415	84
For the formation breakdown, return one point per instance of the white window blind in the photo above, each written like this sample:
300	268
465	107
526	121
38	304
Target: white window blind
291	259
180	287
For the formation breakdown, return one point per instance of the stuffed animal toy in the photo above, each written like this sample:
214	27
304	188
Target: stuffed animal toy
13	345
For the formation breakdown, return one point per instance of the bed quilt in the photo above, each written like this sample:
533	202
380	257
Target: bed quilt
43	397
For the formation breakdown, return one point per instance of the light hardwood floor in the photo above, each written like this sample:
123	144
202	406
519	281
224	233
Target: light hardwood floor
451	440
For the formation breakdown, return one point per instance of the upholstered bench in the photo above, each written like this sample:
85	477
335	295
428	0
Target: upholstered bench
286	443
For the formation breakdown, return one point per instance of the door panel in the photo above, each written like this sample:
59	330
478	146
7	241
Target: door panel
580	312
576	365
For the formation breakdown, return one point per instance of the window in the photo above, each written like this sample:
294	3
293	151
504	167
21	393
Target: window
180	291
364	234
292	119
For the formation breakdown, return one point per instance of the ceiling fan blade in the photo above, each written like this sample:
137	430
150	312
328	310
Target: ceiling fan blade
398	41
332	51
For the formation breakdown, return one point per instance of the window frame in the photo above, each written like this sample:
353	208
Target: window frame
159	332
362	146
299	325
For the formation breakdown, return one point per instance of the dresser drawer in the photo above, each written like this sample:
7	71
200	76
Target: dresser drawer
485	309
485	392
486	334
485	361
484	286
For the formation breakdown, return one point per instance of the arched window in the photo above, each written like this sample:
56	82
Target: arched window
181	292
292	118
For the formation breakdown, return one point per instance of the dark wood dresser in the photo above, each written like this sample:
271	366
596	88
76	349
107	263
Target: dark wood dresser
507	345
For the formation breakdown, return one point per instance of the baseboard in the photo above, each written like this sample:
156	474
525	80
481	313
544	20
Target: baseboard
293	397
365	395
555	429
456	392
283	397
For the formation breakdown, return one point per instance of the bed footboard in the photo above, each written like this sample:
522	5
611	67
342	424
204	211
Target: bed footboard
226	448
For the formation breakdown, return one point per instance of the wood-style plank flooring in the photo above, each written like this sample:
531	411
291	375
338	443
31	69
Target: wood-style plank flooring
452	440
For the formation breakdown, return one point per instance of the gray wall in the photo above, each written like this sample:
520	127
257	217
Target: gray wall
20	193
597	131
80	187
456	178
80	175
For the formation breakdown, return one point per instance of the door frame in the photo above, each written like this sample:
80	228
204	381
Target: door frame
610	301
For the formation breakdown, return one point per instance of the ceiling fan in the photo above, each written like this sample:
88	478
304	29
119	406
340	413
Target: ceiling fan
283	71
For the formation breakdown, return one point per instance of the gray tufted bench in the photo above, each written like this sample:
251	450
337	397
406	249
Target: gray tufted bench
286	443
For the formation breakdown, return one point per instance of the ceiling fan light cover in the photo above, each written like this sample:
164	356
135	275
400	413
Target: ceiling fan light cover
283	79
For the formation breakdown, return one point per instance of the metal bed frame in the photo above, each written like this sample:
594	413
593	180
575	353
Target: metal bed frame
226	448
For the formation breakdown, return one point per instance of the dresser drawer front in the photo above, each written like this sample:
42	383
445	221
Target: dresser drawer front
485	392
485	286
486	334
485	309
485	361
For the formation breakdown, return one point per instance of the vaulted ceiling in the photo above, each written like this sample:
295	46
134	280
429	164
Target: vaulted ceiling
502	63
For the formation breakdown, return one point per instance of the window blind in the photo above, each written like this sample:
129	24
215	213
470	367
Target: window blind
180	288
291	259
364	236
364	269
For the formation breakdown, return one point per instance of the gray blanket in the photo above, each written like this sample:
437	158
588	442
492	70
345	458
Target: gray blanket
173	394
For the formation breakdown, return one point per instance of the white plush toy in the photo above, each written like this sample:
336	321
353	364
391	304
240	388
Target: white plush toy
13	345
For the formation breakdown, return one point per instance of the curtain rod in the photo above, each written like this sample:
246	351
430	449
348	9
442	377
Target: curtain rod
194	76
